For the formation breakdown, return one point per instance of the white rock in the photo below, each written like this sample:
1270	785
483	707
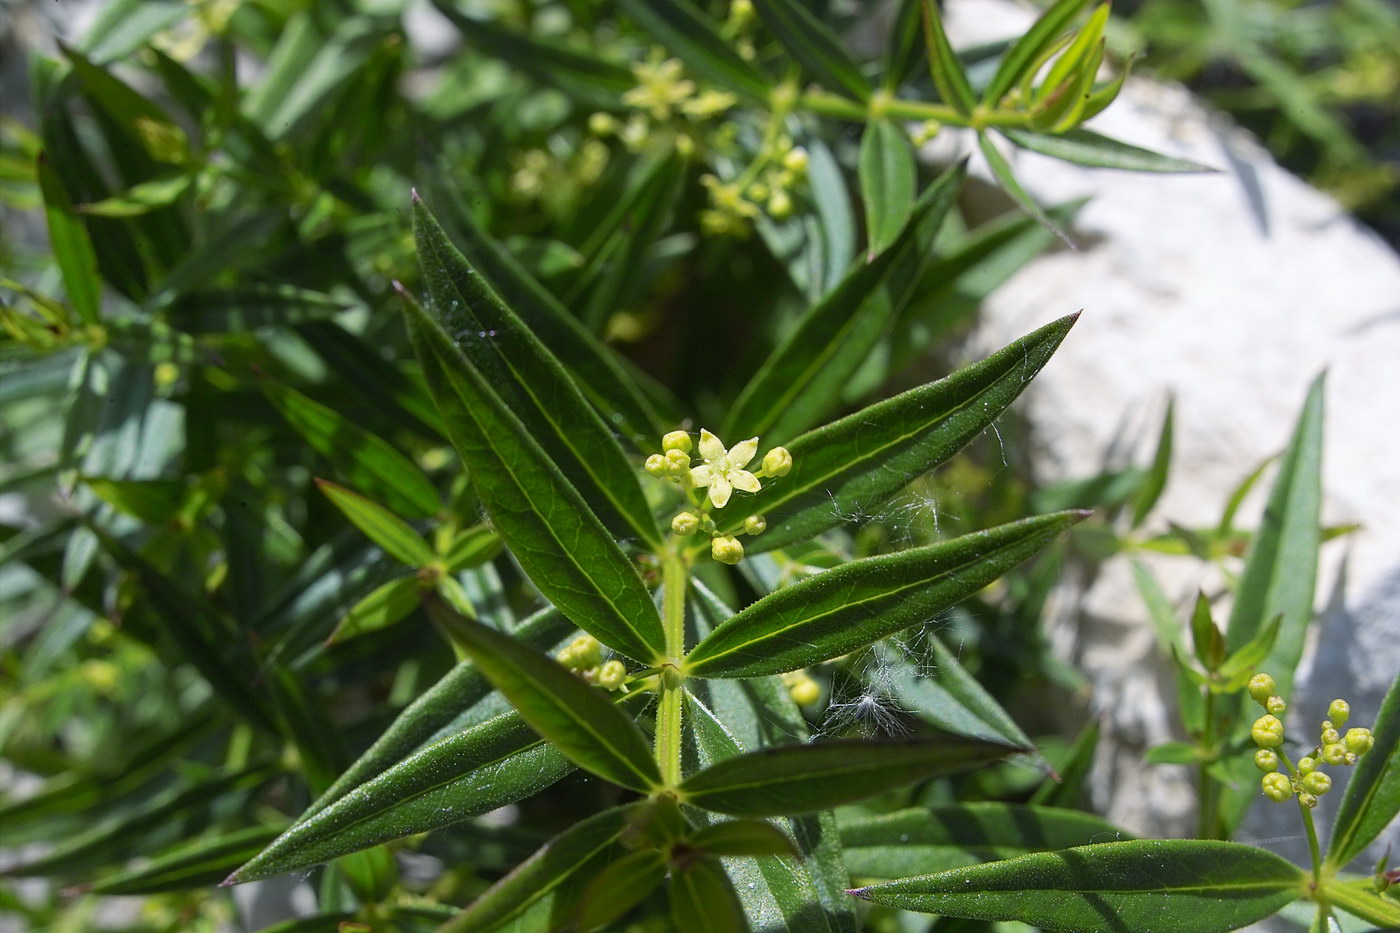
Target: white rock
1231	292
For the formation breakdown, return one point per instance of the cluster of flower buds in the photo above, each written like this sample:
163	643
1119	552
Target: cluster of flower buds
1307	781
764	187
720	471
584	655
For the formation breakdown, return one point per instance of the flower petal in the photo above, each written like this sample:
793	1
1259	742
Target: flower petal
743	479
719	491
701	475
711	447
741	453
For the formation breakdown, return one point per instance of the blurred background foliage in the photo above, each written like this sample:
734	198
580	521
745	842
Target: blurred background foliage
225	186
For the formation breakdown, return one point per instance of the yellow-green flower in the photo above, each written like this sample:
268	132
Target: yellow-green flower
723	470
660	86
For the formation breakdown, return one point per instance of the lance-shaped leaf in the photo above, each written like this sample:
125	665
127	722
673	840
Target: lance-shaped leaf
803	377
380	608
575	716
489	765
621	886
944	67
1360	899
71	247
1085	147
1167	886
544	521
438	713
197	864
814	45
1156	479
543	872
1372	797
1029	50
1001	171
365	460
805	778
702	901
532	383
693	36
887	180
235	310
920	841
380	525
472	546
859	461
851	606
741	837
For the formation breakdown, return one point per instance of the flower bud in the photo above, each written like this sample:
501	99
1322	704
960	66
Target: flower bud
795	160
1330	736
1266	759
726	549
676	440
777	462
755	524
1334	754
602	124
1308	800
1276	786
805	692
1261	687
677	462
586	651
780	205
1317	783
685	524
1275	705
656	465
1359	741
1339	712
1267	732
612	674
1307	765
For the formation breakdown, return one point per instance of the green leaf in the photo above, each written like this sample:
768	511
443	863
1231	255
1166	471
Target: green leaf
1359	899
946	70
1074	767
1001	171
887	179
857	462
1169	641
367	461
1280	569
549	868
381	608
1372	797
1167	886
380	525
693	36
803	377
947	696
550	530
1085	147
71	247
1172	753
197	864
855	604
141	198
741	837
531	382
814	45
1238	667
575	716
439	713
471	772
1156	479
472	546
124	26
1206	638
922	841
154	502
233	310
702	900
1030	49
804	778
621	886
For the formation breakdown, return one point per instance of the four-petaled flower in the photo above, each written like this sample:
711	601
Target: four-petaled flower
723	470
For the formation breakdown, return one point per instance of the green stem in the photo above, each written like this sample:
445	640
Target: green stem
1209	826
1313	848
674	580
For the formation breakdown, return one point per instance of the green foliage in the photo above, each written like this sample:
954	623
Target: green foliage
312	572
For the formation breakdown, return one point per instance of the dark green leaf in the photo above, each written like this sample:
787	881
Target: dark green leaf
1073	765
1206	638
197	864
1156	479
1372	797
532	383
693	36
233	310
1001	170
1030	49
381	526
814	45
741	837
859	461
578	718
547	525
154	502
702	900
804	778
855	604
72	248
921	841
367	461
620	887
1085	147
887	179
946	70
1168	886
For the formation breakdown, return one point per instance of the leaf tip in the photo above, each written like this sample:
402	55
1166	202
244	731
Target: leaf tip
414	196
1078	515
231	880
862	893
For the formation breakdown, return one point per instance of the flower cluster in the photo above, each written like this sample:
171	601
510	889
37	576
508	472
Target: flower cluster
1307	781
721	470
584	655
